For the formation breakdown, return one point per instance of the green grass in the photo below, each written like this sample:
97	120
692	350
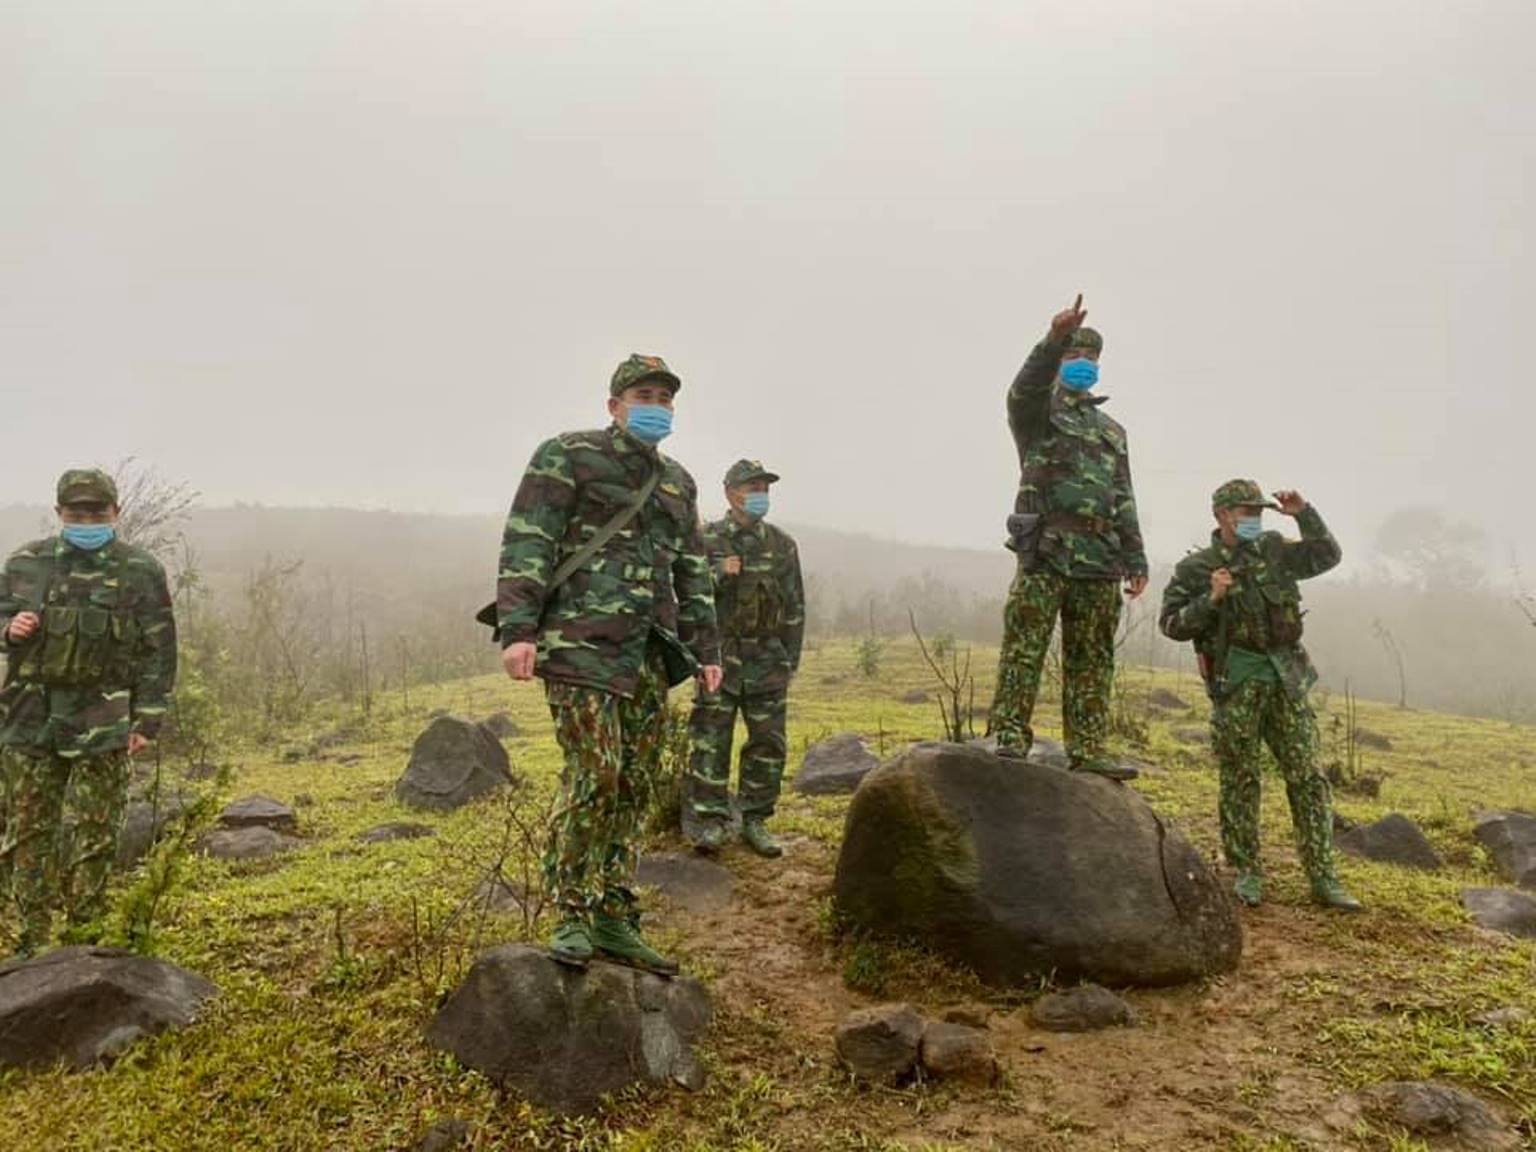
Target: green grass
331	962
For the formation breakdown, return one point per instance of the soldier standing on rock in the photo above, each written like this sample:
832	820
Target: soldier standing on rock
760	602
1238	601
1077	538
90	640
604	592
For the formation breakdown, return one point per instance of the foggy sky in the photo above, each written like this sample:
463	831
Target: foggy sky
371	253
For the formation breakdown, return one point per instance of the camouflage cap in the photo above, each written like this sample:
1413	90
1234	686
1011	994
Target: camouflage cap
745	471
1087	339
1240	494
86	486
639	368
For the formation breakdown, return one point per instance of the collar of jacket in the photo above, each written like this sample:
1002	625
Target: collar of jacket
1229	553
624	442
737	528
63	548
1081	399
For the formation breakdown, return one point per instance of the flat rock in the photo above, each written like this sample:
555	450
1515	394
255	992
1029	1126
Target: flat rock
1510	839
1196	737
565	1038
835	766
1166	700
144	823
1445	1116
396	830
1001	865
1375	741
1394	839
687	882
956	1052
881	1044
259	812
255	843
453	762
1086	1008
88	1005
1502	910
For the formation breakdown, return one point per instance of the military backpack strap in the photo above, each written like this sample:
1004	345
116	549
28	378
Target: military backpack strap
576	559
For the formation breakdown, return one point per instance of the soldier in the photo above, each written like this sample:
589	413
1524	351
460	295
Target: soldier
1076	534
604	592
90	641
1237	600
760	602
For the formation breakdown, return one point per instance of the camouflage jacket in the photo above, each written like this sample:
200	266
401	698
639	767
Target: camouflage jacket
651	578
1262	610
107	621
1075	471
762	609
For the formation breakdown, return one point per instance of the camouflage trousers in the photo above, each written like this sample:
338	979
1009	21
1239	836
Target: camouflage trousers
712	730
60	837
1090	613
1251	715
612	746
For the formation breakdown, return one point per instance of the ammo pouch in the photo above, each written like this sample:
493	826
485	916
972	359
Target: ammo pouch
1025	530
82	646
758	613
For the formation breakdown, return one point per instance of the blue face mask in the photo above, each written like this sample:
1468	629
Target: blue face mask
755	504
649	423
88	536
1079	375
1249	528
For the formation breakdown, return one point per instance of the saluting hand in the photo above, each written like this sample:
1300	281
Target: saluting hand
1291	502
22	627
1068	321
1221	580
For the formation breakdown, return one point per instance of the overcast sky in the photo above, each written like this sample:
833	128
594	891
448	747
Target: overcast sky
370	253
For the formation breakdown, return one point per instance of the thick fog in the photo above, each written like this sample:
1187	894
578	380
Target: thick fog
367	253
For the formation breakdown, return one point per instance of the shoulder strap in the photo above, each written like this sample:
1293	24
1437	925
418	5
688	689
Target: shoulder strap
576	559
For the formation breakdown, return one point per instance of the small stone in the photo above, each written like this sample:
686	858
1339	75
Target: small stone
255	843
687	882
1510	1016
915	696
1429	1109
970	1015
443	1135
259	812
881	1044
1372	740
1166	700
955	1052
500	725
1394	839
1086	1008
835	766
1501	910
1510	840
397	830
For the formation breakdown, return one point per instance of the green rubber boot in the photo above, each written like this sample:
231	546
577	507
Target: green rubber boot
755	835
1331	894
571	943
620	941
1249	888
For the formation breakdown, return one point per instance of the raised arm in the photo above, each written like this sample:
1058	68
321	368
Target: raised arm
530	542
1029	398
1317	551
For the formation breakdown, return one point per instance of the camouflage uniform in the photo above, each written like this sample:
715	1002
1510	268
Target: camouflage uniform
1259	675
632	620
101	666
762	623
1075	473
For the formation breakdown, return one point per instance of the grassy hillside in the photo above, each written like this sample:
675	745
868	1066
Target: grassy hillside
331	961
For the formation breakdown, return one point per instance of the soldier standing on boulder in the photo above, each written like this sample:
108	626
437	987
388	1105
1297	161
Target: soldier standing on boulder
1077	537
604	591
1238	601
760	602
90	641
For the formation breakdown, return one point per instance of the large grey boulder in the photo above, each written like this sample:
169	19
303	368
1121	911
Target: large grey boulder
1510	838
1501	910
1022	871
87	1005
453	762
835	766
1394	839
564	1038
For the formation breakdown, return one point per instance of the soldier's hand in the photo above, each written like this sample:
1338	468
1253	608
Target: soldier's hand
518	659
1291	502
731	566
1135	586
1068	321
137	743
1221	580
710	677
23	626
